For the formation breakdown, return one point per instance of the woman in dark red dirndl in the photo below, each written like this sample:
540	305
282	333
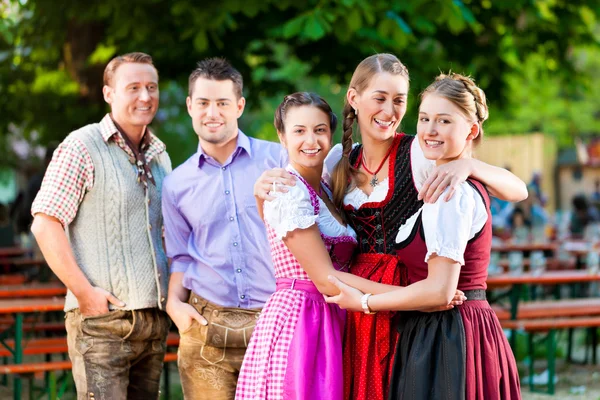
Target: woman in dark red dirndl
461	353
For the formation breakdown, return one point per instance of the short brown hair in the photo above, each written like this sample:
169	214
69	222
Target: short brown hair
136	57
217	69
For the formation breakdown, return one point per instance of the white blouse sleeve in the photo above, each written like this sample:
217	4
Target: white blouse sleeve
333	157
421	166
448	226
290	211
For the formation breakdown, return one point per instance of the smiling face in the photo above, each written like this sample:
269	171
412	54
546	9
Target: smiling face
133	95
444	132
381	106
307	136
215	109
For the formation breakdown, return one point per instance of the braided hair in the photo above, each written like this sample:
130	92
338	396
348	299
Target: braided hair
344	172
465	94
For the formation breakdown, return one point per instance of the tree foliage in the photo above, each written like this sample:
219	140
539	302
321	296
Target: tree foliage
52	53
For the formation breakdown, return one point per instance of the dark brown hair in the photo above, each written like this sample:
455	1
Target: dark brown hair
300	99
364	72
463	93
111	67
217	69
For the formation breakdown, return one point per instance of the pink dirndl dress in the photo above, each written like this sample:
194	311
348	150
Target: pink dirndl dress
295	351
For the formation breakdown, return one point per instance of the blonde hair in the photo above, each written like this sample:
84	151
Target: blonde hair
136	57
361	78
462	91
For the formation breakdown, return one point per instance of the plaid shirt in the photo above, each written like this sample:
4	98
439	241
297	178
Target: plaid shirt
71	173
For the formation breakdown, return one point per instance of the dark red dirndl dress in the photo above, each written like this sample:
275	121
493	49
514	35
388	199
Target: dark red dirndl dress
370	340
460	354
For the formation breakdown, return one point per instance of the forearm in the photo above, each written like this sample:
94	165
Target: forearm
501	183
177	292
420	295
57	251
362	284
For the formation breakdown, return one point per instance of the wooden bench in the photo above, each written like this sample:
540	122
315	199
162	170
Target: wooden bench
552	309
13	279
59	345
35	326
32	368
549	316
48	346
33	290
52	389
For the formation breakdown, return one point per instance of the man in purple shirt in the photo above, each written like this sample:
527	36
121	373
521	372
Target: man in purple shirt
221	270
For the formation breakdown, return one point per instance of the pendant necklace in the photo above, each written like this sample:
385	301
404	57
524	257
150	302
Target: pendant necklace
374	181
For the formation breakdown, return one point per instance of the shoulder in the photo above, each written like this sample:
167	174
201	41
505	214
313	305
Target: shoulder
179	174
264	146
78	143
87	134
463	201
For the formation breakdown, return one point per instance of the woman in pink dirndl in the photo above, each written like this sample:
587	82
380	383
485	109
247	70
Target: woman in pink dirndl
296	348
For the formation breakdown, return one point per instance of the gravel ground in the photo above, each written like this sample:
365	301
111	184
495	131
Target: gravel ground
575	382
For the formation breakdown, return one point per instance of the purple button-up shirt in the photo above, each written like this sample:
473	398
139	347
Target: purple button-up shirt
212	228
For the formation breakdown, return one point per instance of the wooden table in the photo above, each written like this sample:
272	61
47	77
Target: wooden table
505	248
552	264
546	278
6	252
19	307
32	290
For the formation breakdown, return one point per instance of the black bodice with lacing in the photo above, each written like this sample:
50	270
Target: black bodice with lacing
377	224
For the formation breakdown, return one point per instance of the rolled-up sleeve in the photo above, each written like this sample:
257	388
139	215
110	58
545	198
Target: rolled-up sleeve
68	177
177	232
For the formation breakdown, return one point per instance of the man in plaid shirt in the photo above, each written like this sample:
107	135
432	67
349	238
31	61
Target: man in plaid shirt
97	219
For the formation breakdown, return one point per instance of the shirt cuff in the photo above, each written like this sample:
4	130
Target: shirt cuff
40	209
179	265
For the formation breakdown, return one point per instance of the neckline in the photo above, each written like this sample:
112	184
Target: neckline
315	199
391	177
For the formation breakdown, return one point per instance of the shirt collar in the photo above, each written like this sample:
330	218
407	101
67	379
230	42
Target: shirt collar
243	143
108	129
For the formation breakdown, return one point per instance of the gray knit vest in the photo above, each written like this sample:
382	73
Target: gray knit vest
117	234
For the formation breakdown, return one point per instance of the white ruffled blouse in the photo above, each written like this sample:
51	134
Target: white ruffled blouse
421	167
293	210
449	225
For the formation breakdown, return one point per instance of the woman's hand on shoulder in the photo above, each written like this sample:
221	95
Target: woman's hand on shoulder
264	184
444	176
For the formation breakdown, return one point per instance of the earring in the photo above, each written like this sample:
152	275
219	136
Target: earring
356	111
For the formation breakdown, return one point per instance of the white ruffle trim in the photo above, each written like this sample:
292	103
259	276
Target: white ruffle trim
297	222
453	254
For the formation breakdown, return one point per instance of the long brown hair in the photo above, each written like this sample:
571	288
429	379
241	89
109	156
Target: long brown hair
366	70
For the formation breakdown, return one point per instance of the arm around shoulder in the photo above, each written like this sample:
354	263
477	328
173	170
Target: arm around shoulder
501	183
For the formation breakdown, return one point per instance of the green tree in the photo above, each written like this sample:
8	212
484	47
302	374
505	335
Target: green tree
52	53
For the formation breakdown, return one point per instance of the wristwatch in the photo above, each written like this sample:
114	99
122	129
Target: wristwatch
364	302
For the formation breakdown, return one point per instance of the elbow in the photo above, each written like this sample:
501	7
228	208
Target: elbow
325	287
442	296
521	193
36	227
